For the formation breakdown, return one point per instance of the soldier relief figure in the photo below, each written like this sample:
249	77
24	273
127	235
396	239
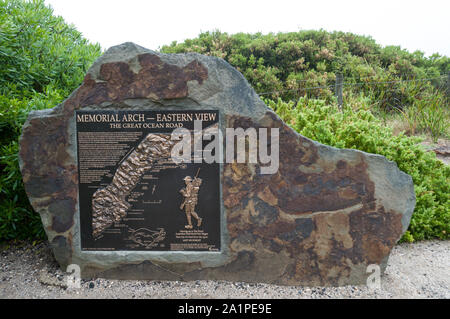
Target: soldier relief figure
190	194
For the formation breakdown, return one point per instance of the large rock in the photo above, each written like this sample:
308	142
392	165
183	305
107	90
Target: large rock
320	220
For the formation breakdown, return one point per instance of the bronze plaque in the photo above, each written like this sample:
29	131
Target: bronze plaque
133	196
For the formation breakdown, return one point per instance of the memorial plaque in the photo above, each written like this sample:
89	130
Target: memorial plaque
277	207
133	196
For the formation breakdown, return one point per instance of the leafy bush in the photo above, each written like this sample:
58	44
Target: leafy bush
305	63
290	62
42	60
357	128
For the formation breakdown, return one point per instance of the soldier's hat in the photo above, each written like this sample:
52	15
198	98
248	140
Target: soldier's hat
187	178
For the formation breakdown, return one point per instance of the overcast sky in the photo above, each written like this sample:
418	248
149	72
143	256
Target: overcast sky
414	25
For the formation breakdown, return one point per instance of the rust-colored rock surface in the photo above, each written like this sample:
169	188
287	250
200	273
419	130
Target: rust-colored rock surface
321	219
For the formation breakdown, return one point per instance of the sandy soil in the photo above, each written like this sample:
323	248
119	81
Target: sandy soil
420	270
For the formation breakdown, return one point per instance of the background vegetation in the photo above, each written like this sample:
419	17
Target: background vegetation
305	63
296	73
42	60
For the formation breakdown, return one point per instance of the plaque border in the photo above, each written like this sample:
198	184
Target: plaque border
194	254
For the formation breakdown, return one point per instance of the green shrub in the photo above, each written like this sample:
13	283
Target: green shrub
42	60
290	62
357	128
305	63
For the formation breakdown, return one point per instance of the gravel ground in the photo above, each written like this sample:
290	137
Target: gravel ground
420	270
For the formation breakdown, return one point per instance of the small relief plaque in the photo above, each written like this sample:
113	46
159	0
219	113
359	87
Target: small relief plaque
133	195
